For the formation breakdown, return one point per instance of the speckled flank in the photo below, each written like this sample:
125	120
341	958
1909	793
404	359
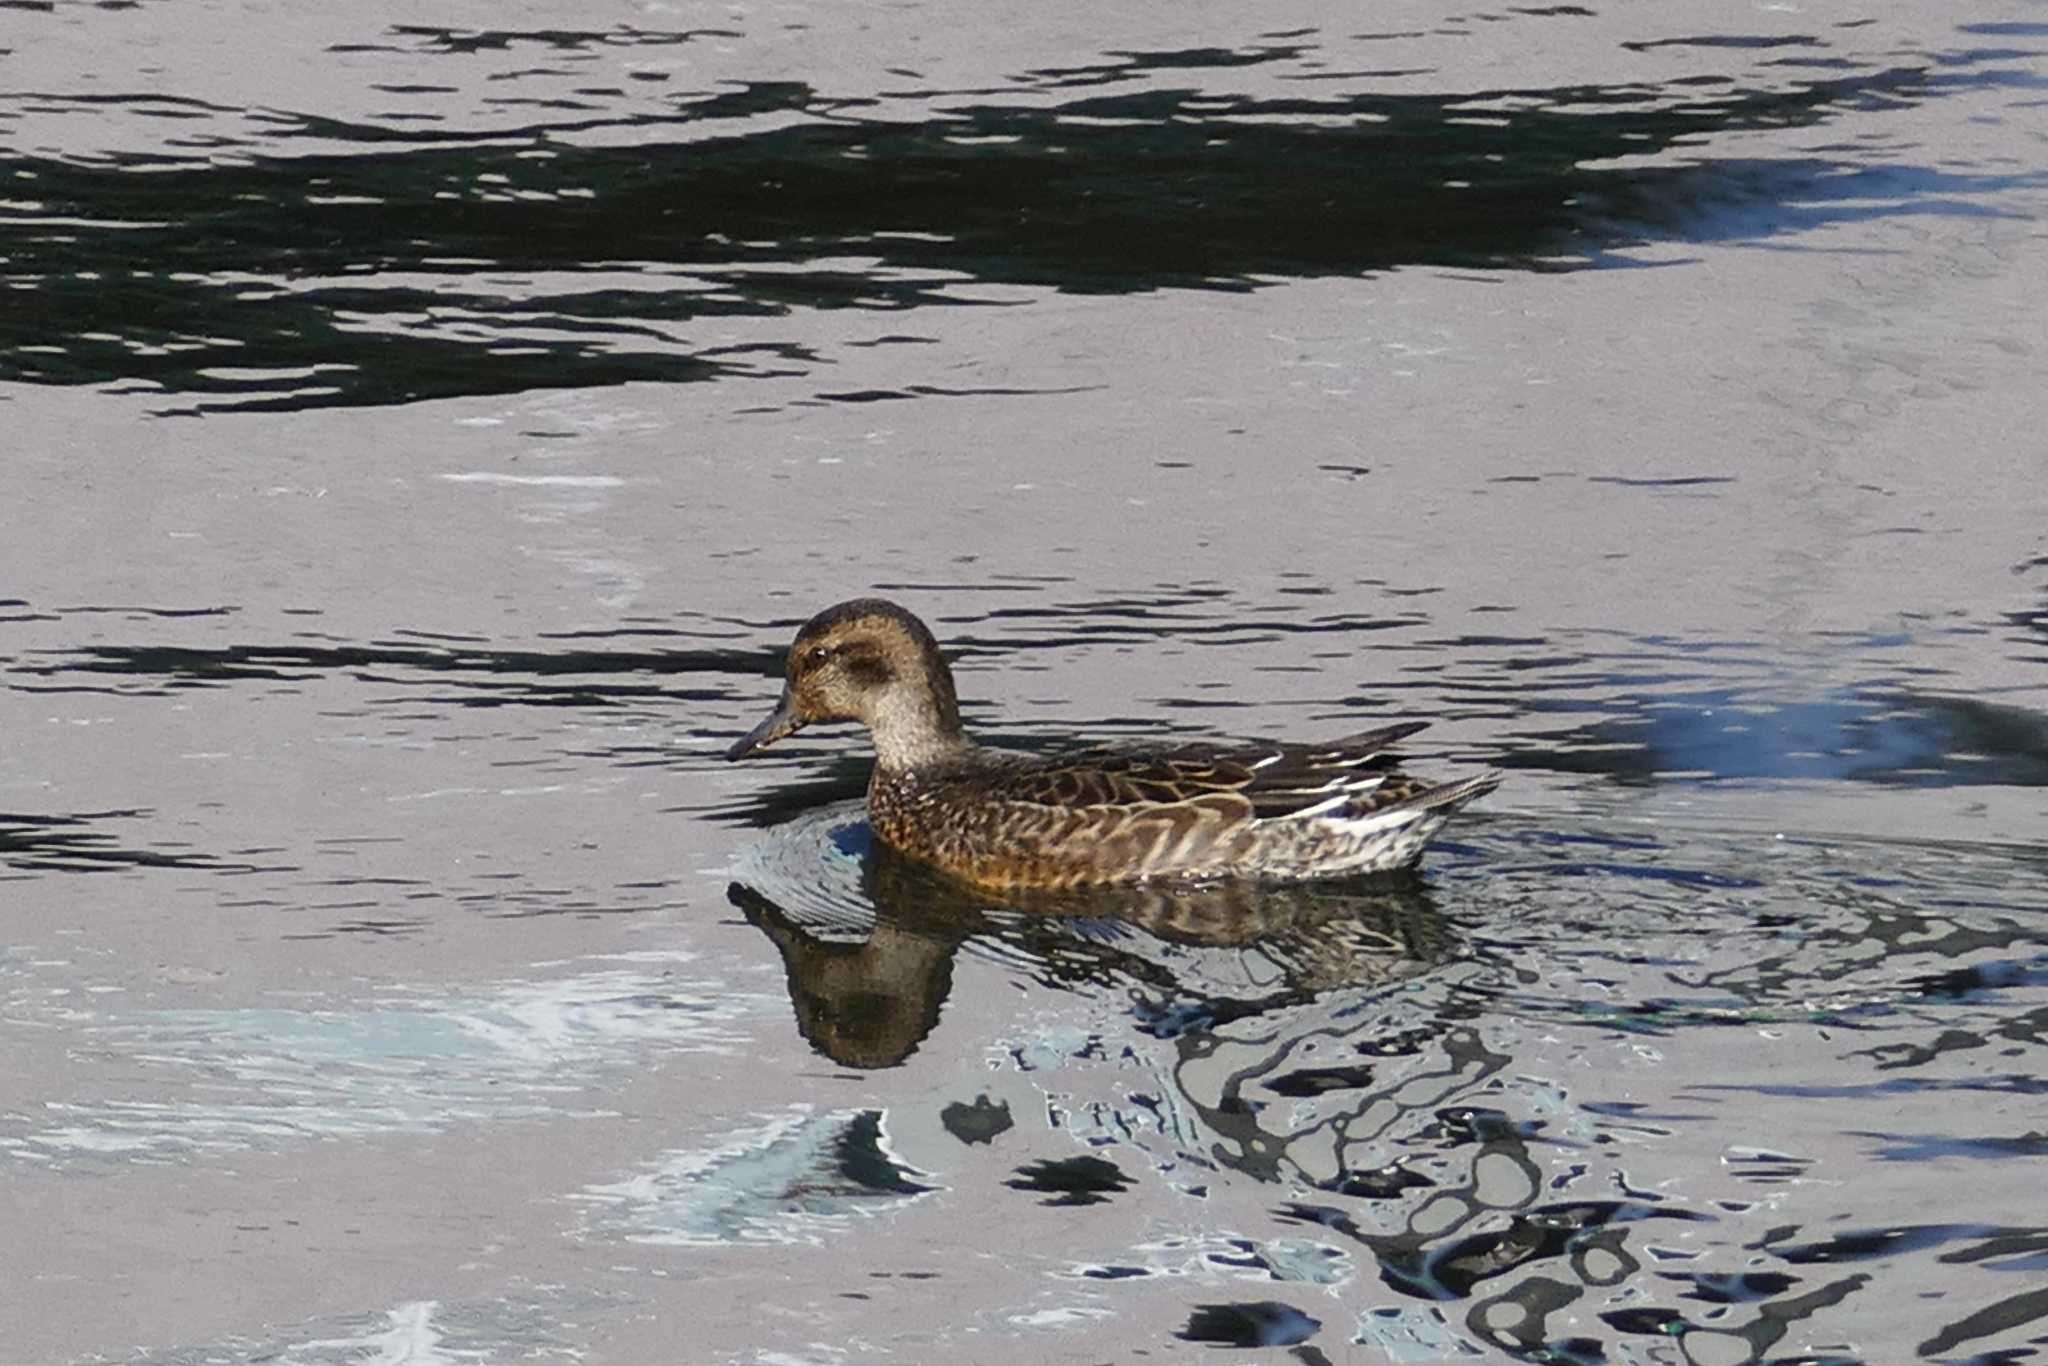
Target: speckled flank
962	820
1002	819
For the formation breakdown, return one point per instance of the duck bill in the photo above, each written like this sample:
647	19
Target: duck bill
780	722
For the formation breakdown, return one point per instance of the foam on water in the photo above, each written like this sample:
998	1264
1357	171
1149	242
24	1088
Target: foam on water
228	1080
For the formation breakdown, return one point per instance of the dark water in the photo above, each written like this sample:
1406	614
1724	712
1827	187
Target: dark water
513	219
417	444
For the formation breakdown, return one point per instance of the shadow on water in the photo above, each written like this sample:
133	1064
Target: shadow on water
282	280
79	843
869	939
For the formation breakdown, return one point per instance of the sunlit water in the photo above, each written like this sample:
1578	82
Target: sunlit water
1555	1100
421	440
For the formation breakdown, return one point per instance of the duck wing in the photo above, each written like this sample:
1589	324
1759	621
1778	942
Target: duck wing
1343	777
1233	783
1125	815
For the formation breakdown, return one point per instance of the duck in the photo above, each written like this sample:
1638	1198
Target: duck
1183	812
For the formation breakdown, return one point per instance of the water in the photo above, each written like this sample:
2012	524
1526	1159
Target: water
420	441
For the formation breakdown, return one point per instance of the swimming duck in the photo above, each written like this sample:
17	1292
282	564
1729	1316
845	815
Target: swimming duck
1108	815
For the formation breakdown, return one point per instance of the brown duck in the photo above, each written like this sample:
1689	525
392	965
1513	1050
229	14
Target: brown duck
1007	819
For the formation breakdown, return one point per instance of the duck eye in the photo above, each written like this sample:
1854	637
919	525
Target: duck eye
818	654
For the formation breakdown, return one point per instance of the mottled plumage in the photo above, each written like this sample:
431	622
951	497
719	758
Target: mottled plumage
1006	819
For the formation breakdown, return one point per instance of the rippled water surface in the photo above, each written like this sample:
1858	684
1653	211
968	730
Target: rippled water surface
418	441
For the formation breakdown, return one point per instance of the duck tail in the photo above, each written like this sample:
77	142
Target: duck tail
1369	742
1449	797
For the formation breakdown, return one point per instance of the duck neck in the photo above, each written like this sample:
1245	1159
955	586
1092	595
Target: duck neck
914	730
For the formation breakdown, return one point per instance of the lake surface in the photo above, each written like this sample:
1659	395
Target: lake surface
418	442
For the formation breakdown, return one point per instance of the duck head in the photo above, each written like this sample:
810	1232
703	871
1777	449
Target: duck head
870	661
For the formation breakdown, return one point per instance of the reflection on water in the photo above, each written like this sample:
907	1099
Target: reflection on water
1588	1089
1516	1108
1623	1079
79	842
1264	1324
869	938
268	258
800	1179
1866	734
1636	708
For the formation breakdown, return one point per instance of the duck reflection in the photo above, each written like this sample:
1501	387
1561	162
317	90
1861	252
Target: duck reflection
870	960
